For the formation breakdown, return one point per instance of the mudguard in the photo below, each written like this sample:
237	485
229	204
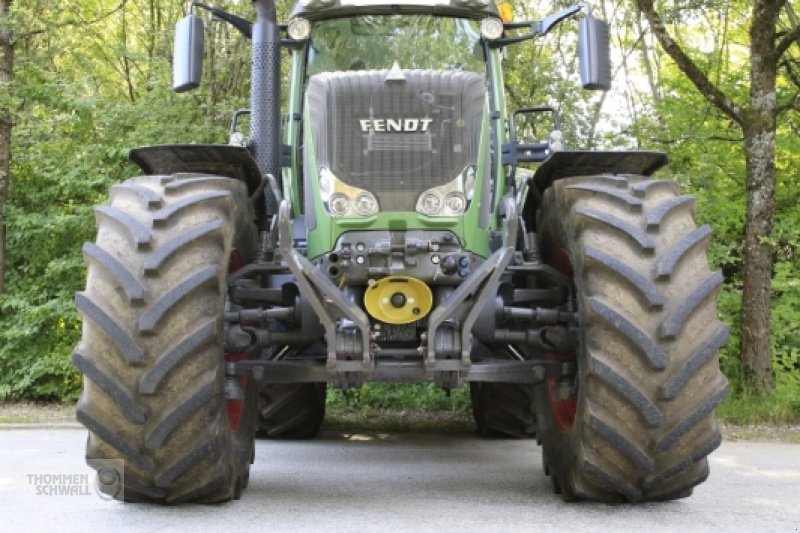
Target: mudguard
587	163
219	159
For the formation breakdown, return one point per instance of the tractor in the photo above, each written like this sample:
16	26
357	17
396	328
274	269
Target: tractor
390	220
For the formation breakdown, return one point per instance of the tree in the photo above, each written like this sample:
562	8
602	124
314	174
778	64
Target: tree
74	121
6	79
757	120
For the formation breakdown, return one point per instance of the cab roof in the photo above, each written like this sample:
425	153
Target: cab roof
324	9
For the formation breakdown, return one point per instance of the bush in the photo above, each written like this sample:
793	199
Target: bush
382	396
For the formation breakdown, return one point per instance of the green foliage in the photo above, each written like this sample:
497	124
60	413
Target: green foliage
746	409
382	396
785	242
707	157
711	167
72	129
544	71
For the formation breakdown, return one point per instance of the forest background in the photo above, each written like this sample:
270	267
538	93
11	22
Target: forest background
82	82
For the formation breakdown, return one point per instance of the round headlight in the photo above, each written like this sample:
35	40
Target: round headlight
339	204
430	203
455	202
299	29
491	28
366	204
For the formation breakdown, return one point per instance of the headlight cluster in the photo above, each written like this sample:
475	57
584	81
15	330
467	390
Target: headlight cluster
450	199
343	201
299	29
491	28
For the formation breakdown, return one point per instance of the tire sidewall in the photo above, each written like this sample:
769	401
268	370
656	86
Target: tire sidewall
559	446
242	441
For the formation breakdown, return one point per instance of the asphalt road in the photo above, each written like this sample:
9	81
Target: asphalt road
394	482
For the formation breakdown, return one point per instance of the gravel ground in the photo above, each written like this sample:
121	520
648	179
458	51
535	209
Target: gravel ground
14	415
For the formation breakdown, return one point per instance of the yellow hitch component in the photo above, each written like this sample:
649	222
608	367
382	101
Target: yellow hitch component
398	300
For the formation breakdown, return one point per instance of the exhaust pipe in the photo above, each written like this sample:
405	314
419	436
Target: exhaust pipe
265	99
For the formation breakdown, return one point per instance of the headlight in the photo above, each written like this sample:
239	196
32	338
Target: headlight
343	201
455	202
491	28
429	203
299	29
366	204
339	204
450	199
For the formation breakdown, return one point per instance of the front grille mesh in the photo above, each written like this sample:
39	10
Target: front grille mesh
396	166
399	142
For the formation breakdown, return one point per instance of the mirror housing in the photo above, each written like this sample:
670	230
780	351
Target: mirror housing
593	54
187	58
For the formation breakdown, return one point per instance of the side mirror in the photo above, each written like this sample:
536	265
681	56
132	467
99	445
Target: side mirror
593	54
187	58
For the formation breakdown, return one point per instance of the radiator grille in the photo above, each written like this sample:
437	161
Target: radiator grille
396	165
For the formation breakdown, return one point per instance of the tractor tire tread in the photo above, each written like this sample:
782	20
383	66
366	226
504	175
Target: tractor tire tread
153	391
649	373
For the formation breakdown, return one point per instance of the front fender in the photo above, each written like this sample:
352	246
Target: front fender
219	159
587	163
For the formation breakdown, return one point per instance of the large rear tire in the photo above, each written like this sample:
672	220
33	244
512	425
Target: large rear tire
503	409
640	421
152	351
291	410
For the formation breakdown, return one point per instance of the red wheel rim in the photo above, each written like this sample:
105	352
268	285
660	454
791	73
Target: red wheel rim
235	262
235	407
561	262
563	411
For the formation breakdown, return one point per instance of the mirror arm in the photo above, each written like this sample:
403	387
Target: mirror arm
535	31
549	22
538	28
244	26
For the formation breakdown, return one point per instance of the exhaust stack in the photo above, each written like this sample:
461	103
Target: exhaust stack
265	118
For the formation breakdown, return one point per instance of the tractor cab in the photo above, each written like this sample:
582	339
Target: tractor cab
395	133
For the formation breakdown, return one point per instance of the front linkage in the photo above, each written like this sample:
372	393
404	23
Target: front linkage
353	351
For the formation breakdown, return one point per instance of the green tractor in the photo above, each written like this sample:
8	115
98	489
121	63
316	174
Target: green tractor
382	228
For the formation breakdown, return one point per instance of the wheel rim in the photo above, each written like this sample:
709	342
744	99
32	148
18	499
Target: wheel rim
235	406
560	261
563	410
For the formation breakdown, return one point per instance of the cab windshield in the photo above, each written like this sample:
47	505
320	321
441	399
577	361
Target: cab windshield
376	42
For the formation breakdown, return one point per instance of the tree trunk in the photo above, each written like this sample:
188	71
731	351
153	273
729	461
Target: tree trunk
759	128
6	79
756	363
